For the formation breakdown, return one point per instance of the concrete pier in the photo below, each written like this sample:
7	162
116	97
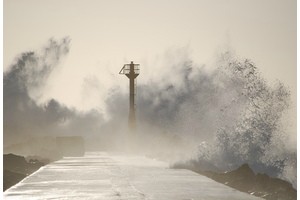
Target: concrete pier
112	176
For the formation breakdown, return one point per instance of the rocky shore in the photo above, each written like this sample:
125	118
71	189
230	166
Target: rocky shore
16	168
245	180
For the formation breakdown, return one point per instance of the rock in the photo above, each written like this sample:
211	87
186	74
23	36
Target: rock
245	180
11	178
16	168
15	163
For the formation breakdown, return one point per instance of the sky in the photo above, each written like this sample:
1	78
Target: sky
107	34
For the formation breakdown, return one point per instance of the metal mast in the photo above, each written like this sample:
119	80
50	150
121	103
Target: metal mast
131	71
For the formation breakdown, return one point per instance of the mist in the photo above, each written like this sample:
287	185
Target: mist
226	115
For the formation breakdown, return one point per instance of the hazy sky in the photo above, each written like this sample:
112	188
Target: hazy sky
107	34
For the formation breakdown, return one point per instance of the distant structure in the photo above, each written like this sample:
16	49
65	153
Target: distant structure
131	71
70	146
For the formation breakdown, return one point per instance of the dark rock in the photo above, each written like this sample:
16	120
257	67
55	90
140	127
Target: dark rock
245	180
11	178
16	168
241	178
15	163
